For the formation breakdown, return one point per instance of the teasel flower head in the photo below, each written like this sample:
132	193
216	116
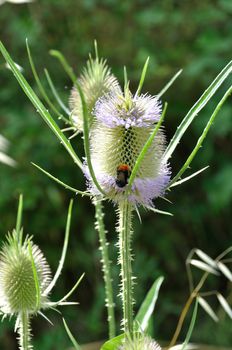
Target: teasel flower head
95	80
123	123
140	342
19	263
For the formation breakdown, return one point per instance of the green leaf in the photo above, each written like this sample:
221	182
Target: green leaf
35	274
202	137
197	107
148	305
167	86
39	106
143	75
113	343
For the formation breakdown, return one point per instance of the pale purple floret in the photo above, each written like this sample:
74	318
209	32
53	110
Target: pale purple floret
143	190
144	111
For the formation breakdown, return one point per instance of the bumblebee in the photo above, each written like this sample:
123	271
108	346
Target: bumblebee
123	174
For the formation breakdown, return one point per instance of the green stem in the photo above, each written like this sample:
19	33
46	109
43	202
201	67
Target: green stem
105	266
125	258
24	332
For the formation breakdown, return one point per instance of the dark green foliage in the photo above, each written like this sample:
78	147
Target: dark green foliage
195	36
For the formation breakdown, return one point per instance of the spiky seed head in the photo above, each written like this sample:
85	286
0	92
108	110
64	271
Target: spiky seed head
123	124
140	342
18	292
95	81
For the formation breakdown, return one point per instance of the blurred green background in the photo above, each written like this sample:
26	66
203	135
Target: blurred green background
193	35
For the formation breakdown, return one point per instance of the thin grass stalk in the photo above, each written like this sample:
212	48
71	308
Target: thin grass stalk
100	227
125	259
185	310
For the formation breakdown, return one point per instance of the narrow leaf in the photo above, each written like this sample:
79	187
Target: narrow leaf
71	291
188	177
39	106
191	326
56	95
64	251
39	84
148	305
167	86
72	76
207	308
203	266
159	211
125	79
113	343
45	317
61	183
96	50
68	69
202	137
197	107
36	279
145	149
143	75
224	304
71	337
224	269
19	218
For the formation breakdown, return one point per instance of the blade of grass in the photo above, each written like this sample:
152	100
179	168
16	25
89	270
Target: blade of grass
167	86
39	106
197	107
202	137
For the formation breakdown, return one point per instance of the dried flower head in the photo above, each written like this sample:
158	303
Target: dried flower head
140	342
95	81
123	125
18	265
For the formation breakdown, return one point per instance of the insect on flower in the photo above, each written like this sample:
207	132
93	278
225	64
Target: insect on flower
123	173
